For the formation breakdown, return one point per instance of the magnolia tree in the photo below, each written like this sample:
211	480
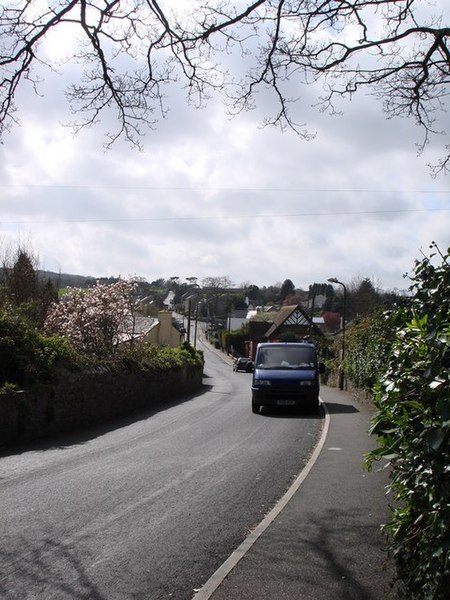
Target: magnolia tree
95	319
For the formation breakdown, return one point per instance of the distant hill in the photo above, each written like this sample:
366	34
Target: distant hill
63	280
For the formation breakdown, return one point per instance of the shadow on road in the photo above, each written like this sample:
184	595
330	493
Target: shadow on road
65	440
284	412
336	408
336	546
46	569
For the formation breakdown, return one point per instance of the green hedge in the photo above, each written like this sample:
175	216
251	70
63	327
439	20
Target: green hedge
412	423
368	345
26	356
148	357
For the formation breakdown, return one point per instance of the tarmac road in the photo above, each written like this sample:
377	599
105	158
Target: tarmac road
149	507
325	543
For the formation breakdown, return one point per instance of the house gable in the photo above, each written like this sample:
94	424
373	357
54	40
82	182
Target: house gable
292	323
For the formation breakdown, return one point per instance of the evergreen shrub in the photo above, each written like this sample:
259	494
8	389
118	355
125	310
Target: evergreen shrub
368	345
412	423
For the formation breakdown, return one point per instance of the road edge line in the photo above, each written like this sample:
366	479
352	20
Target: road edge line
208	588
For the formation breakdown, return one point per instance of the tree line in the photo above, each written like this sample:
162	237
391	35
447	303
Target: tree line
363	294
34	289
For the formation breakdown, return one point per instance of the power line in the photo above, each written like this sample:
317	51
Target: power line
229	217
219	189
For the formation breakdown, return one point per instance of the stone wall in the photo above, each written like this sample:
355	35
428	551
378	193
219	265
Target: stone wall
79	401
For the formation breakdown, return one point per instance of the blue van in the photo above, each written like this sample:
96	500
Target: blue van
286	374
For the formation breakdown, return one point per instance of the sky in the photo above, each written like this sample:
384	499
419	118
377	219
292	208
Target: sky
210	196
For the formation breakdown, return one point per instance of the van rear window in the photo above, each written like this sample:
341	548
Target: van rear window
286	358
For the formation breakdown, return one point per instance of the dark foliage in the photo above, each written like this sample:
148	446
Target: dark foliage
413	428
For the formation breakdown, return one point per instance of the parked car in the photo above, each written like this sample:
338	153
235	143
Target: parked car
243	364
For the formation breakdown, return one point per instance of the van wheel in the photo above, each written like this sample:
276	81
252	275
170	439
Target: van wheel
255	408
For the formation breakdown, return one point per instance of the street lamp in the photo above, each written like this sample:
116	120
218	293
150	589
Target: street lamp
341	371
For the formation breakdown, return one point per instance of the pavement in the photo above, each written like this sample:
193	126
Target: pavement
323	540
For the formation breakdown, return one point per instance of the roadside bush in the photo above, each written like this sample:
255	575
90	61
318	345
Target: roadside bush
147	356
235	339
26	356
368	345
56	352
16	348
412	423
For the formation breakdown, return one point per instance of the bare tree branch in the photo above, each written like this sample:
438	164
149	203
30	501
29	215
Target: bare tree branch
130	51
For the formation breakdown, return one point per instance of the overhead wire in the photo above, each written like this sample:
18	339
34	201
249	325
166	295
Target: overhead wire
228	217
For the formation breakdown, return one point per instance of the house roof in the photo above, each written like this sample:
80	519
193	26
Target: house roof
136	327
292	315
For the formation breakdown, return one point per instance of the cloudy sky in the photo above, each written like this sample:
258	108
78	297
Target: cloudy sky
210	196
